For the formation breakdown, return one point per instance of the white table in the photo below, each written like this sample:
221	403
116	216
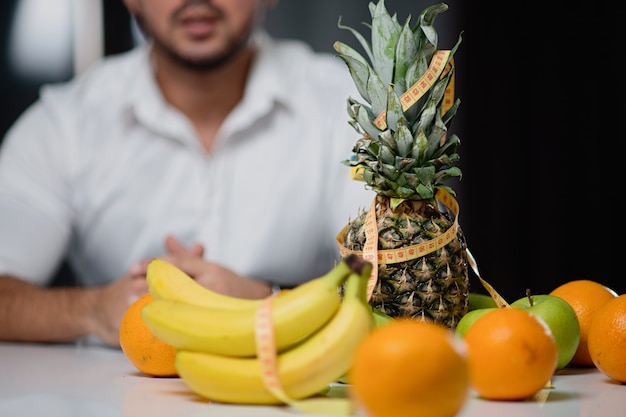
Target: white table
96	381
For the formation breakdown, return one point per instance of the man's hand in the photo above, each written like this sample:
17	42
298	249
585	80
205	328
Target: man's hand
209	274
111	302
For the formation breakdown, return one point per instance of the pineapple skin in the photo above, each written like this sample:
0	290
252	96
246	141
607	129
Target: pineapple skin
434	287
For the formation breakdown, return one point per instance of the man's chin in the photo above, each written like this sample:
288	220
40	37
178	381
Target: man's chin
203	55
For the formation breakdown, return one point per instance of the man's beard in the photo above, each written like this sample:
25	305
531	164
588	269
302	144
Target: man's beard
201	64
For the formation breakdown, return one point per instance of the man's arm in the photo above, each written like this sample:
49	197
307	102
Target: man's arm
29	313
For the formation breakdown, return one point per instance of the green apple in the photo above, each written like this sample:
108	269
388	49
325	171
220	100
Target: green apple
380	318
469	318
560	317
477	301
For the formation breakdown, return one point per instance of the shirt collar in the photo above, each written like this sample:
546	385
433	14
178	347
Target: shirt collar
147	102
265	88
267	75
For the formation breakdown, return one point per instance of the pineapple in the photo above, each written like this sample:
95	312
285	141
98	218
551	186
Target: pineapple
405	155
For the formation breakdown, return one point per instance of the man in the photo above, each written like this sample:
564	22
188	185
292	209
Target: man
211	146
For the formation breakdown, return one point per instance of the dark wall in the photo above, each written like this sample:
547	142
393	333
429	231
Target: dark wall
542	124
543	138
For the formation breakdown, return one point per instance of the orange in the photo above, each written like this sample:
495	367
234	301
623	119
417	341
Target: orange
145	351
585	297
607	338
409	368
511	354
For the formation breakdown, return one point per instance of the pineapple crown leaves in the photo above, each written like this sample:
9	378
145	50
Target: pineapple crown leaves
413	154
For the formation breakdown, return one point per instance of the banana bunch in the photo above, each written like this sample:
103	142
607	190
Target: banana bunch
231	331
315	326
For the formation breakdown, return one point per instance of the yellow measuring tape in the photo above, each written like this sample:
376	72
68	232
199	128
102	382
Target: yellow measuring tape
268	360
426	81
499	300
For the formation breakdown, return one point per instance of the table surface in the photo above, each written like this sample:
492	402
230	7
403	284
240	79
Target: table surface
97	381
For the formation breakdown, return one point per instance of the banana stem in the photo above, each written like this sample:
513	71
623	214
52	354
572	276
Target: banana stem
357	264
356	283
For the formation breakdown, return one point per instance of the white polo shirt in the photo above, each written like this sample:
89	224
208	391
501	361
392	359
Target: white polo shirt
101	169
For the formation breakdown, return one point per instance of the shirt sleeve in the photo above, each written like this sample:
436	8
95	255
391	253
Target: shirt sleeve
35	214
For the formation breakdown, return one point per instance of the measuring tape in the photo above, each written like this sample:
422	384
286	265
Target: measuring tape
268	360
425	82
500	302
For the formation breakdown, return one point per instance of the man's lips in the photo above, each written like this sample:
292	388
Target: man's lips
199	27
198	21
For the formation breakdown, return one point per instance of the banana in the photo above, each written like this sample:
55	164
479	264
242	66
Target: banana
167	282
295	315
304	370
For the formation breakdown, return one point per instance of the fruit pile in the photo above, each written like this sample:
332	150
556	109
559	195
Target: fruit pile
510	353
323	334
582	324
314	330
554	311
